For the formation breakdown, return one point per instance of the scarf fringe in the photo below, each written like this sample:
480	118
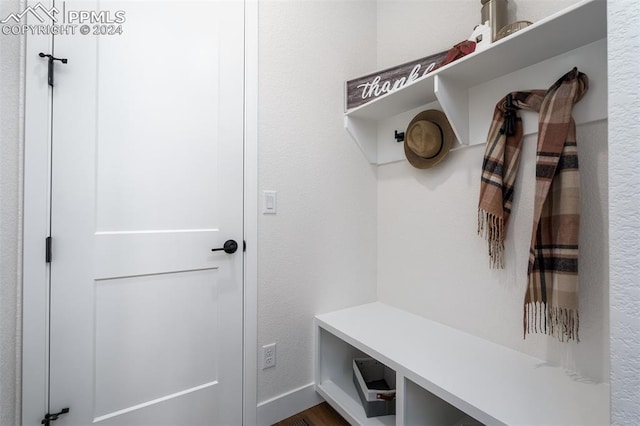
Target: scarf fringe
491	228
561	323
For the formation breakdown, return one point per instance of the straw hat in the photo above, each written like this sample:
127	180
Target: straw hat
428	139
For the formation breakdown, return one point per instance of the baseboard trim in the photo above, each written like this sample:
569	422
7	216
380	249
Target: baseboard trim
286	405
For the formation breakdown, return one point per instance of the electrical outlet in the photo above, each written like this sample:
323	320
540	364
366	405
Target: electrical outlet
269	356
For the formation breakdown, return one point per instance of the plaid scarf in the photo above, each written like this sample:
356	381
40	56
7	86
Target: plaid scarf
551	300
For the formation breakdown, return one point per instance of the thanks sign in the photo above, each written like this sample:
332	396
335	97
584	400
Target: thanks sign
365	89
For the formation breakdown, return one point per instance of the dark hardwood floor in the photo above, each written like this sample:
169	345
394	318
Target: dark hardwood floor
320	415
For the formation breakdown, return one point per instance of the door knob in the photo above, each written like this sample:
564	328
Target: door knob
230	246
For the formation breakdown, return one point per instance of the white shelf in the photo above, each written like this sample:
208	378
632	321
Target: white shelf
569	29
491	383
579	25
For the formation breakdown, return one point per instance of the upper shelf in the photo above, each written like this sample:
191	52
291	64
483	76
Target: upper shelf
573	27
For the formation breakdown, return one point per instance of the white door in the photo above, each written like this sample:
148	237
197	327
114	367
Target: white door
147	179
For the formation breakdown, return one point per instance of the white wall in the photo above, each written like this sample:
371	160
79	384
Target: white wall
430	260
624	194
11	148
319	252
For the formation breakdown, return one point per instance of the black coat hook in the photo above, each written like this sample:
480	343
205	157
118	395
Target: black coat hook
399	136
509	125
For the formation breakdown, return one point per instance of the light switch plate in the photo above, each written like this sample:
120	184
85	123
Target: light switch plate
270	202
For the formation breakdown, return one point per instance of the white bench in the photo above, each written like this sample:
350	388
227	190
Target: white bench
445	376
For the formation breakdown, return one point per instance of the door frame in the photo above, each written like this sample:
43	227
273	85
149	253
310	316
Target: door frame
35	314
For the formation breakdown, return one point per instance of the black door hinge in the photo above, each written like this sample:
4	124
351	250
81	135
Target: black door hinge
244	245
48	418
51	58
47	250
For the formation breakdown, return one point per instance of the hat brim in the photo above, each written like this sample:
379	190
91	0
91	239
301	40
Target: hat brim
448	136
